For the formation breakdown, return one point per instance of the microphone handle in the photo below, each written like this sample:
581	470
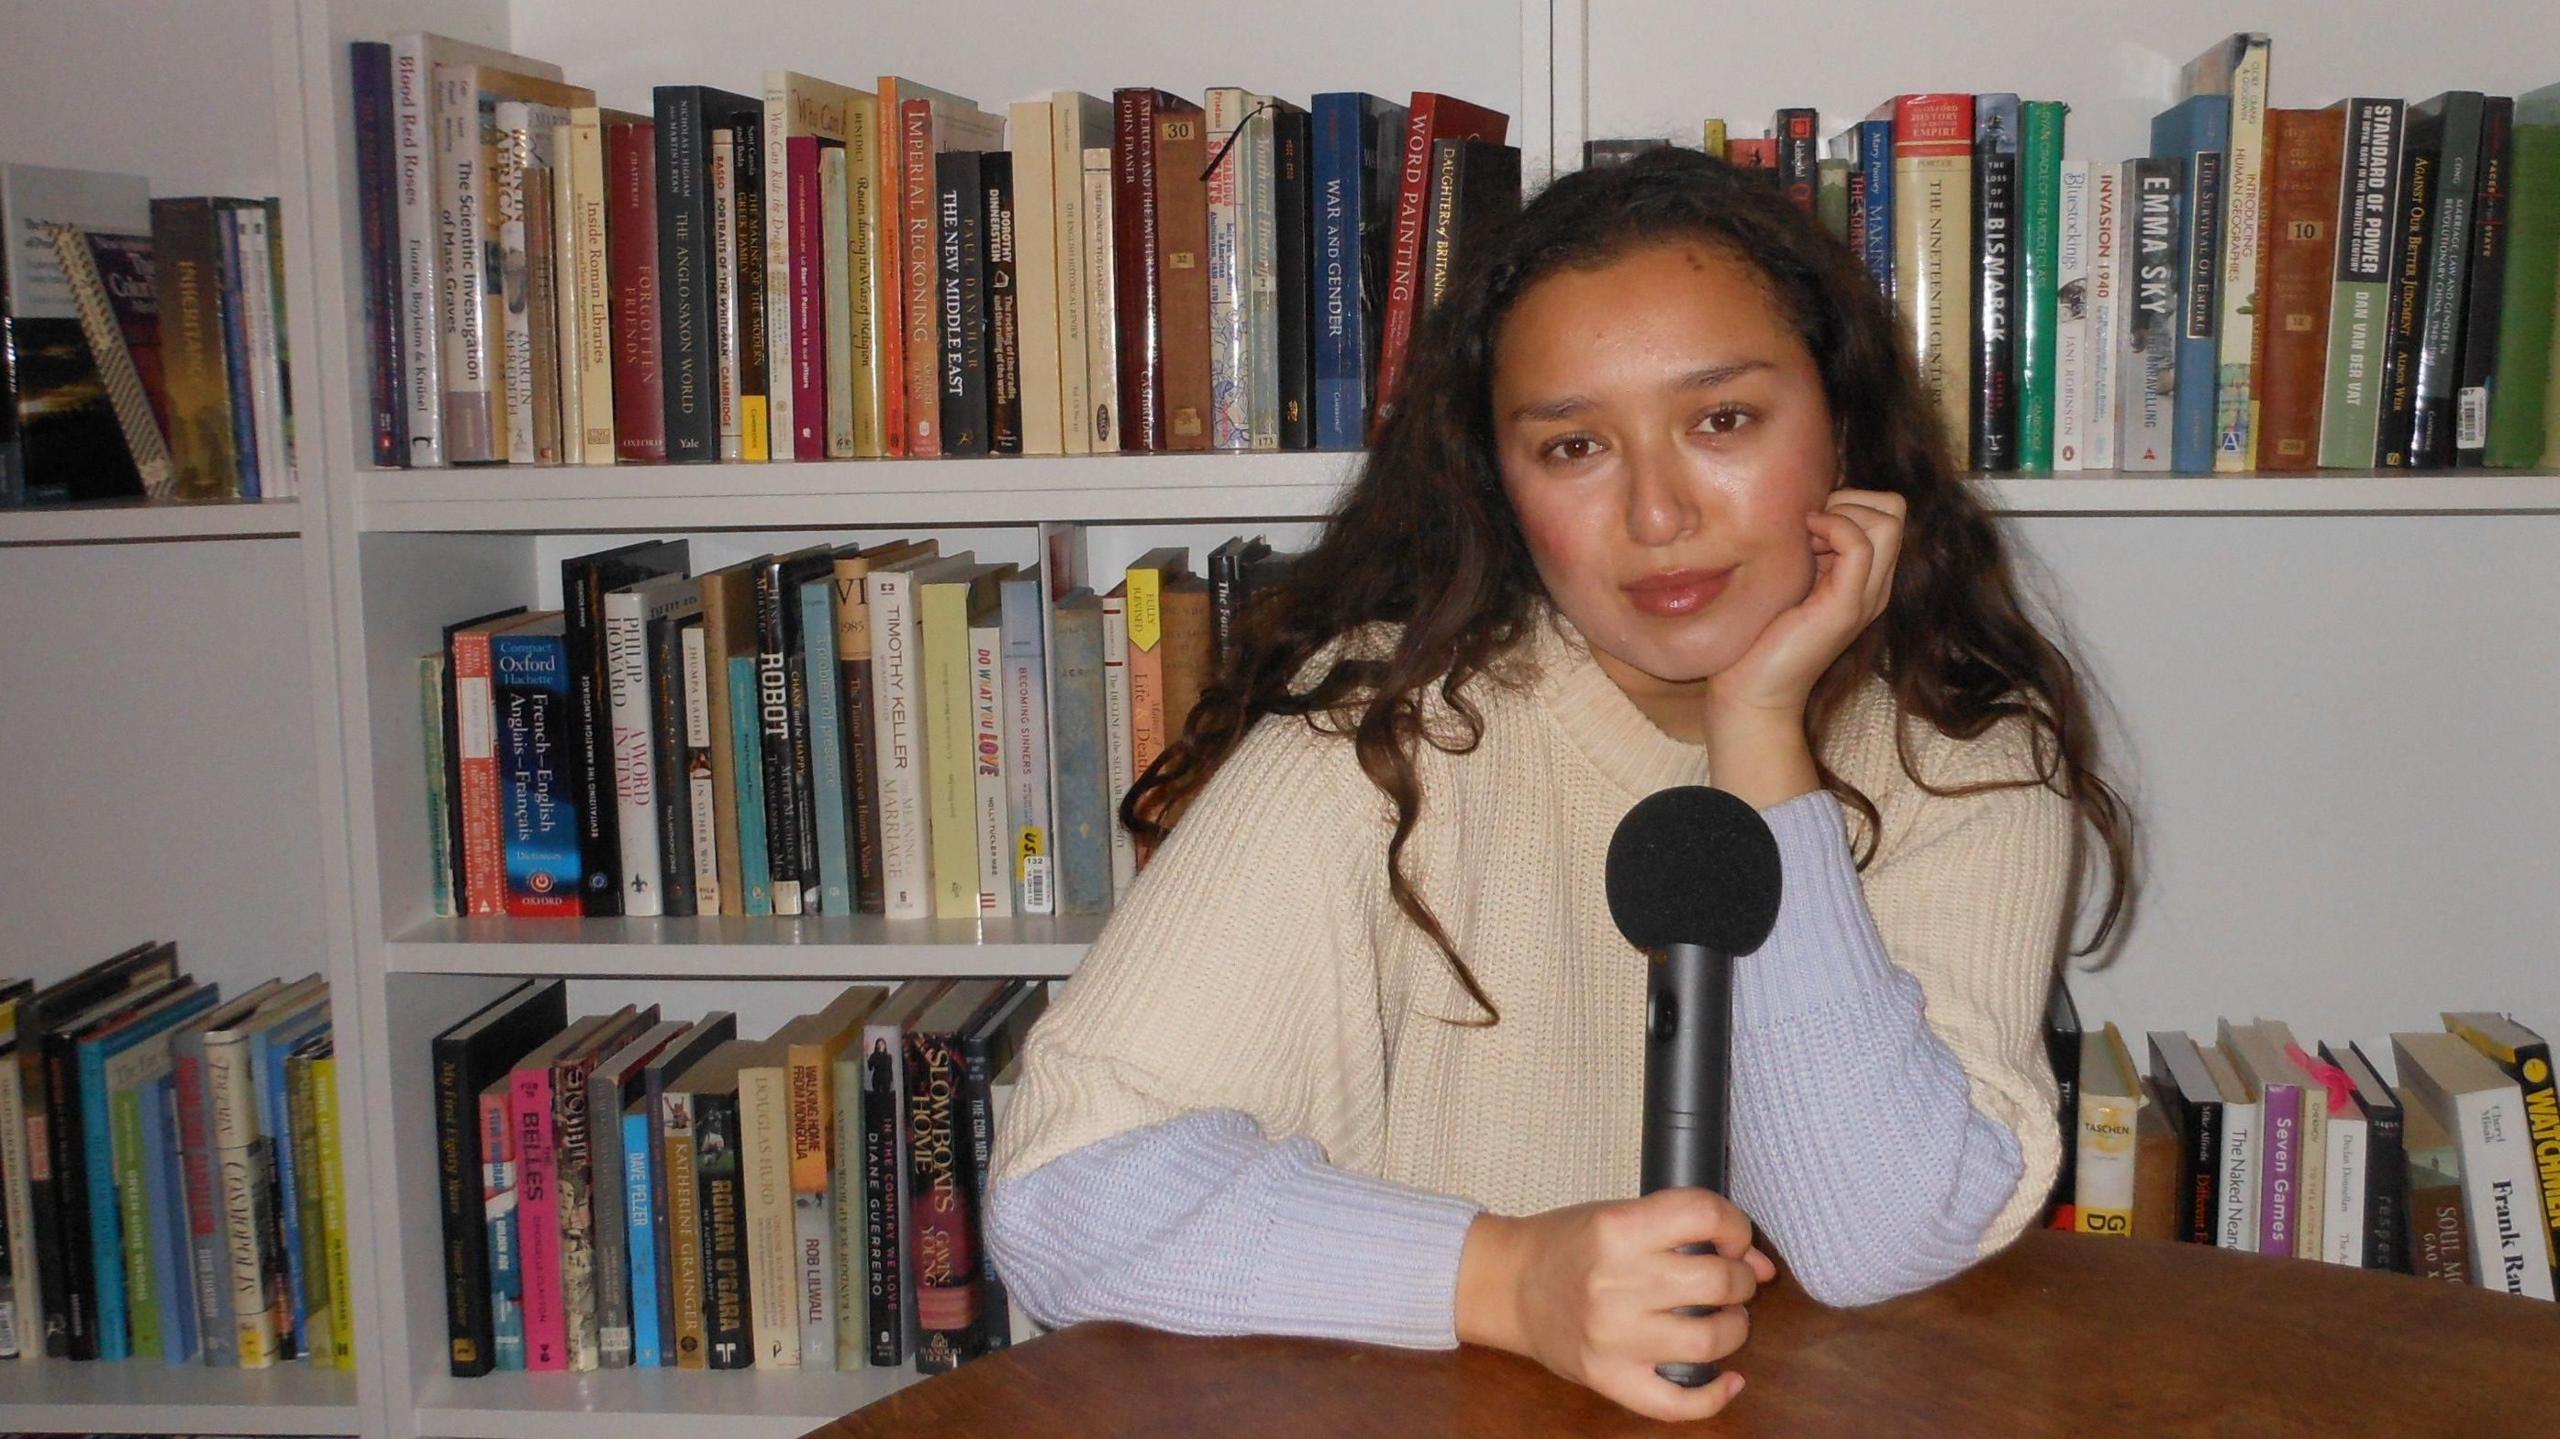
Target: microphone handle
1687	1078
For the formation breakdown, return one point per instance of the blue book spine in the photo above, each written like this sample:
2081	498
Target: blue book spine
538	807
267	1054
1083	827
1875	162
1023	691
640	1216
106	1223
171	1254
1340	393
826	745
235	354
2198	131
749	763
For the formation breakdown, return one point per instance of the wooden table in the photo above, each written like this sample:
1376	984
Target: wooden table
2061	1335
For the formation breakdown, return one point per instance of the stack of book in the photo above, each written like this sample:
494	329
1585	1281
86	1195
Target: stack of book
169	1164
830	272
879	729
626	1191
2367	285
2249	1140
142	343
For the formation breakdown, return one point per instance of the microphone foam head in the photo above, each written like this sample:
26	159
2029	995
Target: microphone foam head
1693	865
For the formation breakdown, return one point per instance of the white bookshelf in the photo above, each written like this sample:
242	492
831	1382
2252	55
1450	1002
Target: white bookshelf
2330	694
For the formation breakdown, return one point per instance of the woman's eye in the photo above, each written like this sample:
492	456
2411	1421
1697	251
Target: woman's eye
1569	448
1724	421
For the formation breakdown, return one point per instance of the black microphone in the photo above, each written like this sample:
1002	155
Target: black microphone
1693	880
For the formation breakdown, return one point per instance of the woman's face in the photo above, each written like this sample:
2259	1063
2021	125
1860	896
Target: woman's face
1662	435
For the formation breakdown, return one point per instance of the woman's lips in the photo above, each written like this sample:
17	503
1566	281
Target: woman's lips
1677	592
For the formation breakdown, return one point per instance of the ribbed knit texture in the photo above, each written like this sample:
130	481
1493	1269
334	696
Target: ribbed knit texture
1261	967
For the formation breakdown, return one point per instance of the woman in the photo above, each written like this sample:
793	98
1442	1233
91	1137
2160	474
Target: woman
1360	1055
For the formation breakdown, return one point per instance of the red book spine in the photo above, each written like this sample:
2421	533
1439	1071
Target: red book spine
546	1327
639	379
918	232
1136	284
808	303
1432	117
2297	255
890	255
484	856
195	1152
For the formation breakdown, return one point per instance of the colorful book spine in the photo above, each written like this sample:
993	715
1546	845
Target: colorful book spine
2073	304
640	1217
2244	197
2109	289
2279	1155
990	789
829	780
2197	131
538	818
1933	240
681	1296
2522	418
333	1212
2040	234
537	1212
1998	282
2360	284
1026	727
754	856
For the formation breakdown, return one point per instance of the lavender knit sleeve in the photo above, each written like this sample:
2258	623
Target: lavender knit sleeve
1201	1225
1855	1145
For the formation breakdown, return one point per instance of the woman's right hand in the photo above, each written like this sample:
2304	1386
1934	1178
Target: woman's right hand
1590	1291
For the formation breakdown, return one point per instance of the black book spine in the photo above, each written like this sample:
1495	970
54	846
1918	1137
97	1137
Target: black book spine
1440	218
1003	307
773	716
883	1217
470	1340
2407	305
1488	193
853	678
1226	588
2386	1193
690	364
66	1268
2199	1197
1994	408
804	773
747	139
47	1224
2457	185
960	296
673	802
1799	156
2475	382
1293	202
977	1089
727	1325
582	586
377	207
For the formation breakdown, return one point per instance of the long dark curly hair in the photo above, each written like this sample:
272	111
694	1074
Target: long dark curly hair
1426	539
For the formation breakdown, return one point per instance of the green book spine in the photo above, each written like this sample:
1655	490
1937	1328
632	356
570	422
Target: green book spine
2521	417
2041	204
142	1302
2352	400
753	856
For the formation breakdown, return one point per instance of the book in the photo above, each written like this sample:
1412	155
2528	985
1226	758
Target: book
988	1049
1357	169
1429	118
2521	417
2386	1177
888	1278
2525	1058
811	1047
2439	1237
538	810
1933	243
607	719
614	1090
686	117
2306	155
2360	283
532	1121
945	1261
2197	132
2276	1085
2483	1111
2232	75
2155	304
2110	1095
2451	125
2193	1101
2039	234
60	438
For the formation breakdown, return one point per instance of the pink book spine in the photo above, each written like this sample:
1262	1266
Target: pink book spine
808	302
546	1326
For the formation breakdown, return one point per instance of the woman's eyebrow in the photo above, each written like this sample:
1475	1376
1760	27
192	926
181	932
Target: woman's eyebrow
1565	407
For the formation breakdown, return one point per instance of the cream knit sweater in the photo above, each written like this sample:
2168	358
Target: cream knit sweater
1260	968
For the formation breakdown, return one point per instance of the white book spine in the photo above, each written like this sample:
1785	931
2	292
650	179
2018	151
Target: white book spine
1035	266
1102	352
773	1274
2145	391
2244	196
898	728
697	745
239	1176
420	255
568	268
1261	262
1027	781
837	265
2071	326
593	308
1066	171
812	1222
1230	360
851	1215
17	1193
515	158
995	826
475	431
2106	315
724	289
2342	1228
2310	1172
1118	759
2237	1215
635	777
2499	1193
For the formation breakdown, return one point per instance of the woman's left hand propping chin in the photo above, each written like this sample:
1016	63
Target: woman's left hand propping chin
1856	538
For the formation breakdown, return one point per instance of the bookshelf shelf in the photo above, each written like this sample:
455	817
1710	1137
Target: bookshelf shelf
51	1396
817	946
840	493
1137	488
648	1403
129	522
